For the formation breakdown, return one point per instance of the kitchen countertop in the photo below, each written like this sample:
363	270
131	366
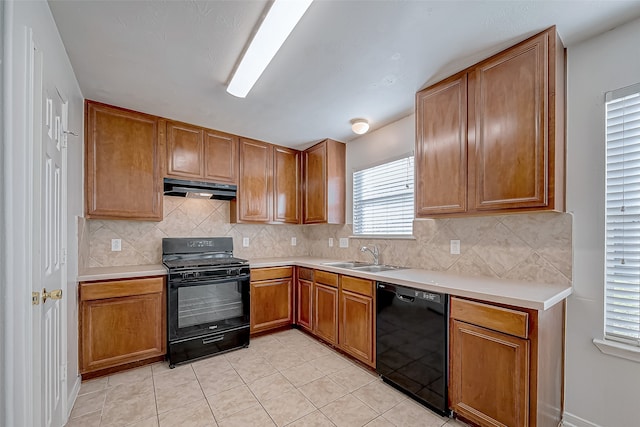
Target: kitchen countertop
537	296
120	272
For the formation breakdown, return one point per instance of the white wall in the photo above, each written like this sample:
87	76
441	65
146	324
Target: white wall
600	389
386	143
18	163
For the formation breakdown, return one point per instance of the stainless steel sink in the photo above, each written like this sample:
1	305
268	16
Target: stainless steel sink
362	266
377	268
348	264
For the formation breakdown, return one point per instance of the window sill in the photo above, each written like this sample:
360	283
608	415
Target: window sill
382	237
618	349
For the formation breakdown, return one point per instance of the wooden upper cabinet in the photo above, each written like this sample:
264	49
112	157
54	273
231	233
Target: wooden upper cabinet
185	150
511	154
201	154
324	183
441	148
254	202
269	184
286	185
123	163
500	122
220	157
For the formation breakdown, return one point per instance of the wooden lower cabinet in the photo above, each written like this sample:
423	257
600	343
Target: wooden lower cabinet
506	364
325	312
356	326
122	322
304	303
271	298
490	375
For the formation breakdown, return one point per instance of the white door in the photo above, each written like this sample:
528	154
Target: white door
49	235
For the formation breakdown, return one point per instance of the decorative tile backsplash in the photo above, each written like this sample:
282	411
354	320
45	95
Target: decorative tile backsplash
187	217
532	247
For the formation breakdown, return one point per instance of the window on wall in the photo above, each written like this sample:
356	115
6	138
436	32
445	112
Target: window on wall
383	199
622	295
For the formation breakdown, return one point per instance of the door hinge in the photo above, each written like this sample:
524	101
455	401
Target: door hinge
35	298
63	256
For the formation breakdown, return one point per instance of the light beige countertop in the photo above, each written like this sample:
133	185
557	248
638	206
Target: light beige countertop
121	272
537	296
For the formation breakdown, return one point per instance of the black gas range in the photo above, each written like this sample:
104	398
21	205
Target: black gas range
207	299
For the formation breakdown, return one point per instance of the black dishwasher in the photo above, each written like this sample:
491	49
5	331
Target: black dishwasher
412	343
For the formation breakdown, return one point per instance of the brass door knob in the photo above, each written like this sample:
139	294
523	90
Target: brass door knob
55	294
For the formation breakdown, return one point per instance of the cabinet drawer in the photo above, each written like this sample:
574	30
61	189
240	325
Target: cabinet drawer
500	319
305	273
120	288
359	286
258	274
326	278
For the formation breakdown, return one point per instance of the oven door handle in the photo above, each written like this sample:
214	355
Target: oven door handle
176	283
212	340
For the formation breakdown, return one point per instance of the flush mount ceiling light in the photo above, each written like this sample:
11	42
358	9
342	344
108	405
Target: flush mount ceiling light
274	30
359	126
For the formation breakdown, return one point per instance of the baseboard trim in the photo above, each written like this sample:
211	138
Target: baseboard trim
71	399
571	420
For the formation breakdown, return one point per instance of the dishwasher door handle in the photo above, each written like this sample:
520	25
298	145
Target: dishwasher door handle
405	298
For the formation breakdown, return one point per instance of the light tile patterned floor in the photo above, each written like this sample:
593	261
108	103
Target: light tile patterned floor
282	379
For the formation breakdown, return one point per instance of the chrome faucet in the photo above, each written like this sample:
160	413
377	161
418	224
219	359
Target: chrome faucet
374	252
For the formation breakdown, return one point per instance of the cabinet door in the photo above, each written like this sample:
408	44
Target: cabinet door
255	183
325	312
356	326
441	148
510	159
220	157
123	164
304	304
286	185
271	304
121	322
315	184
185	150
489	376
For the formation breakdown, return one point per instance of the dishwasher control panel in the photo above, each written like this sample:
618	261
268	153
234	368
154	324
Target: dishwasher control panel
413	293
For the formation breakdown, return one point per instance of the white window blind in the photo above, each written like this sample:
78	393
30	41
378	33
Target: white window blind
383	199
622	318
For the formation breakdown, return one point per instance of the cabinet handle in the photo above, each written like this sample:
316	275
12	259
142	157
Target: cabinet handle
212	340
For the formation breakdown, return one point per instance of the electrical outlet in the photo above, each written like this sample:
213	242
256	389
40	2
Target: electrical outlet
116	245
455	247
245	242
344	242
330	242
294	241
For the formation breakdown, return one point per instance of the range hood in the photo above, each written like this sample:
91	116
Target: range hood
197	189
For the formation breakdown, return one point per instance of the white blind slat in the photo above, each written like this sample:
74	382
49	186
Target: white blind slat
383	199
622	263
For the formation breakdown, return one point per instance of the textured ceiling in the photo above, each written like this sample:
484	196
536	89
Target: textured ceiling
345	59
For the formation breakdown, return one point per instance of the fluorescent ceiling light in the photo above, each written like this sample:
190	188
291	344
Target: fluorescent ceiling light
274	30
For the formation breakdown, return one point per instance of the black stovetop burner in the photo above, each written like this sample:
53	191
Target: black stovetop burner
195	252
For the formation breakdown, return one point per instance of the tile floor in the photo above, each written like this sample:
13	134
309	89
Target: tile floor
282	379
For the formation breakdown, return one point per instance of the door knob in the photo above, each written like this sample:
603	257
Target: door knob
55	294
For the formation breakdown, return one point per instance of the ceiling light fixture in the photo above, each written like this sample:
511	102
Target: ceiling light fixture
280	20
359	126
